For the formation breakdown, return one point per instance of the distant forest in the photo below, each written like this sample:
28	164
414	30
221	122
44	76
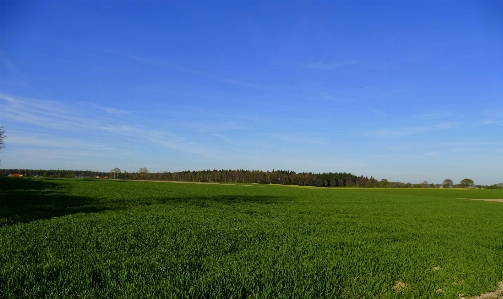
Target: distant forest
283	177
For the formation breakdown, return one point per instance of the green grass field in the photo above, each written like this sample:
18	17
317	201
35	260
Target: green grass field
118	239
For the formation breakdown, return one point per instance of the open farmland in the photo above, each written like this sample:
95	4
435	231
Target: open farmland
102	239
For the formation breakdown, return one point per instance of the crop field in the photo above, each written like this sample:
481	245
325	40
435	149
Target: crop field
124	239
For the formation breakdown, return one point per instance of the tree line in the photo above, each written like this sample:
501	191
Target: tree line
283	177
55	173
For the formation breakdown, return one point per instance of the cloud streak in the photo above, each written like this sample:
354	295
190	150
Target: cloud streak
409	131
163	64
54	115
113	111
491	118
321	65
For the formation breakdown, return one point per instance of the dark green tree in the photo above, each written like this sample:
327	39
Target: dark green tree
466	182
447	183
384	183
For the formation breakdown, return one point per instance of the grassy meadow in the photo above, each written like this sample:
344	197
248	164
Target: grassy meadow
124	239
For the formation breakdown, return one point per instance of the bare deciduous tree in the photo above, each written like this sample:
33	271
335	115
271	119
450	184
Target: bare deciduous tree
143	172
116	172
2	136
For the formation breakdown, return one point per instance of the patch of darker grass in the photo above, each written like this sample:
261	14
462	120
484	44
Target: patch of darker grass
199	201
24	200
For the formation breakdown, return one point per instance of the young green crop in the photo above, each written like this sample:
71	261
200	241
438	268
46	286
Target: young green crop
101	239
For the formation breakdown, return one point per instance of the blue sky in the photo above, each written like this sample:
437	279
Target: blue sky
404	90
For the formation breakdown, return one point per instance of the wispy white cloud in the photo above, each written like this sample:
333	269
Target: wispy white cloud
224	138
157	63
65	118
408	131
7	63
302	139
113	111
417	150
480	147
326	96
323	65
374	111
63	158
433	116
408	155
493	117
464	144
48	141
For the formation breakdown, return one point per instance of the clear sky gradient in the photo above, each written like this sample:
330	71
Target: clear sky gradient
403	90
